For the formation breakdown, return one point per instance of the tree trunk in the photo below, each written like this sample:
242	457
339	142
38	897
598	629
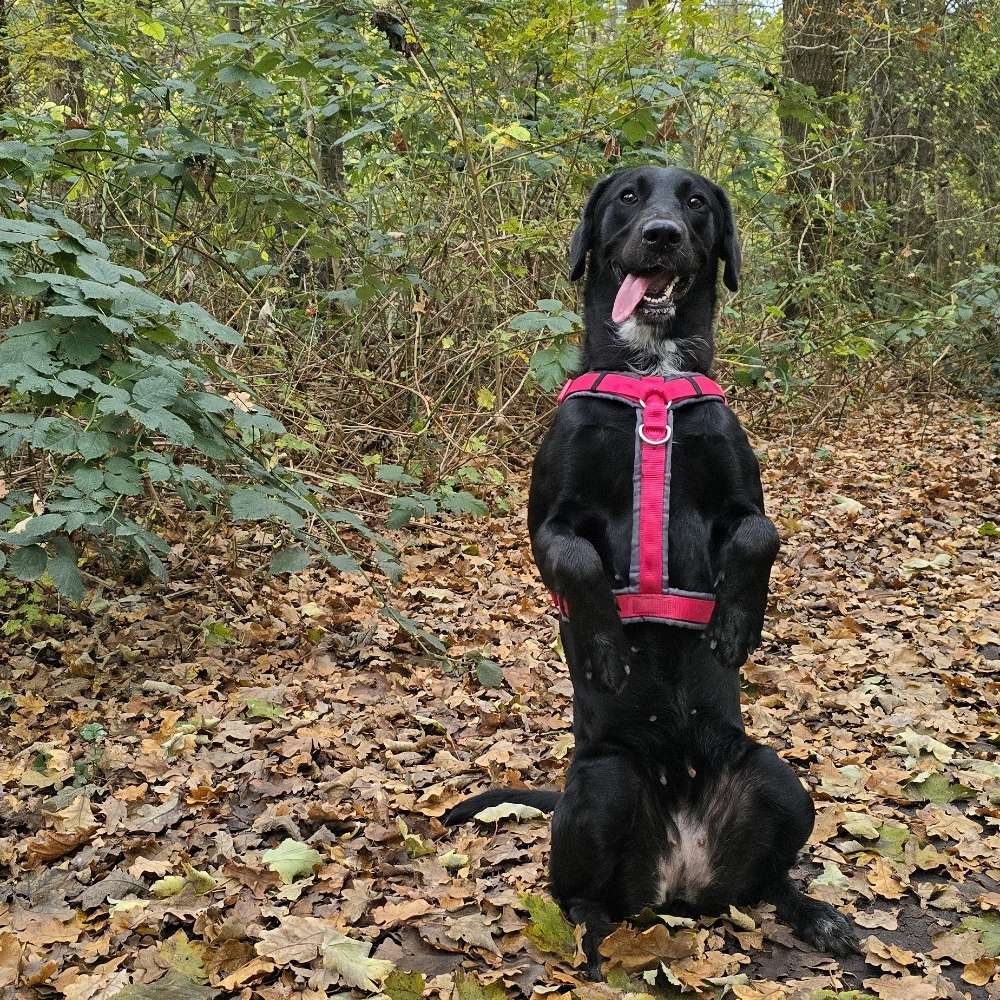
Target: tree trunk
813	38
67	87
6	83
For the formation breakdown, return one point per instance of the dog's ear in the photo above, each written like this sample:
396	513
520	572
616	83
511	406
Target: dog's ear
729	242
583	235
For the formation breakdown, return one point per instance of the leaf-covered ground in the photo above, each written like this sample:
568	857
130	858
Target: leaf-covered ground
232	787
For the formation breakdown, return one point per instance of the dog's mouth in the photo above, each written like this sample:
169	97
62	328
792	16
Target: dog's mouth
654	294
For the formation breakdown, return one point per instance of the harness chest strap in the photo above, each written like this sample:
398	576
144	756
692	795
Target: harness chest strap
648	595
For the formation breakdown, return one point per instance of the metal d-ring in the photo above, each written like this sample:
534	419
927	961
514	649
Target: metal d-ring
666	429
663	440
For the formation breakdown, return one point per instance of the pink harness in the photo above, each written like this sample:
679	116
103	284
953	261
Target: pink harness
649	596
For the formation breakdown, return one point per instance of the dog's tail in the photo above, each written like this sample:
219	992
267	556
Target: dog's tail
541	798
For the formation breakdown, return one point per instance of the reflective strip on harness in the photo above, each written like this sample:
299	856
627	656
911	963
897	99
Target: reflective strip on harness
649	597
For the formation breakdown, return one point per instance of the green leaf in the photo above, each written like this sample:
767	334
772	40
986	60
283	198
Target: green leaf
988	530
988	926
489	673
155	391
166	423
470	987
551	366
290	859
183	957
548	928
169	885
938	789
33	528
123	477
396	474
154	29
88	479
173	986
259	709
255	505
462	502
349	959
891	841
22	231
63	572
401	985
453	861
28	563
290	560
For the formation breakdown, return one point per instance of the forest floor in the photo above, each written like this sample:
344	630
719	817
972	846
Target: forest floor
231	786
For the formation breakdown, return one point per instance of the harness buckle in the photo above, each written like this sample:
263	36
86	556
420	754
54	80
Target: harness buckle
666	426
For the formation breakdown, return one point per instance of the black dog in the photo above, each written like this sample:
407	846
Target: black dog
668	803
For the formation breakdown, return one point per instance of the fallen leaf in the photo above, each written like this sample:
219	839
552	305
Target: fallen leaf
903	988
980	972
548	929
471	929
291	858
508	810
349	960
295	939
49	845
638	950
394	914
961	946
10	958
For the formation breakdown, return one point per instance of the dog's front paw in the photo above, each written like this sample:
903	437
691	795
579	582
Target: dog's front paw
607	662
733	635
826	929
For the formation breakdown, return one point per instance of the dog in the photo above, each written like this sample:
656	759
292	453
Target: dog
668	803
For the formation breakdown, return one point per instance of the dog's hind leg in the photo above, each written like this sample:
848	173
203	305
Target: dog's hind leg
603	865
783	817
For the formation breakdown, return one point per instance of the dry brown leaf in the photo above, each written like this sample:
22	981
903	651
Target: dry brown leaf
637	950
960	946
471	929
252	970
295	939
980	972
882	878
888	957
885	919
10	958
394	914
904	988
48	845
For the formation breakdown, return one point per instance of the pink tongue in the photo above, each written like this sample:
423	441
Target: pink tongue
629	295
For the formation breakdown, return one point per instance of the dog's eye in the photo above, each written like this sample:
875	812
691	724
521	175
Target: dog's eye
628	196
696	201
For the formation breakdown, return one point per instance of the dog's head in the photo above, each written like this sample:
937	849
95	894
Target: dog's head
654	234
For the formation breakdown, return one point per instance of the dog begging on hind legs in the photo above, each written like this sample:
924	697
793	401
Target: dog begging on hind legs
646	516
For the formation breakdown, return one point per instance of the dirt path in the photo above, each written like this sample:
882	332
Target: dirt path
158	747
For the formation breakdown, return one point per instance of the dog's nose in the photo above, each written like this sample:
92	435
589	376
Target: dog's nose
662	233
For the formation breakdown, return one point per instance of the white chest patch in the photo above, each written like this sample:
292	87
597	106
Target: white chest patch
697	838
650	354
686	866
